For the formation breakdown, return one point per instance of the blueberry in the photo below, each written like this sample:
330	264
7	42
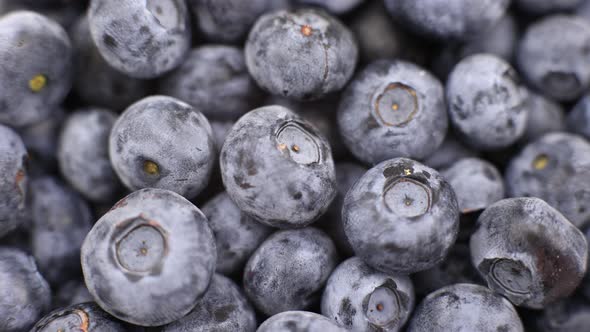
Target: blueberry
451	150
393	109
361	299
553	56
215	78
401	217
547	6
555	168
13	182
578	120
96	82
70	293
60	221
223	308
476	182
277	168
220	129
36	67
299	321
149	259
465	307
441	19
289	270
141	38
236	234
528	251
83	153
87	317
303	54
569	315
545	116
161	142
24	295
336	7
487	103
41	138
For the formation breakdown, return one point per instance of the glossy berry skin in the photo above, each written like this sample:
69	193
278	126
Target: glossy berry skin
476	182
60	221
223	308
96	82
360	298
528	252
299	321
36	67
87	317
451	150
289	269
215	79
150	258
25	295
162	142
555	168
83	153
464	308
404	211
393	109
142	39
578	120
303	54
336	7
236	234
486	102
277	168
13	182
441	19
553	56
545	116
547	6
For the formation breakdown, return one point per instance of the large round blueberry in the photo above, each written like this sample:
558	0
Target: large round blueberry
277	168
442	19
149	259
555	168
487	103
223	308
299	321
393	109
13	179
553	56
236	234
476	182
35	67
161	142
528	251
141	38
24	294
578	120
86	317
545	116
465	307
83	153
401	217
215	79
60	221
289	269
301	54
362	299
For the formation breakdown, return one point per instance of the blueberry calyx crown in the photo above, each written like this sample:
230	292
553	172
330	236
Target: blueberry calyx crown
396	105
299	143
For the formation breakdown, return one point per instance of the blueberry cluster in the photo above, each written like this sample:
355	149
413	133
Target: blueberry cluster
294	165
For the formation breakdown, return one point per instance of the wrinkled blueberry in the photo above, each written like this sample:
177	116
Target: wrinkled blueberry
83	153
401	217
393	109
35	67
215	79
465	307
578	120
161	142
553	56
141	38
362	299
149	259
555	168
277	168
13	182
289	270
299	321
486	101
86	317
528	251
545	116
302	54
